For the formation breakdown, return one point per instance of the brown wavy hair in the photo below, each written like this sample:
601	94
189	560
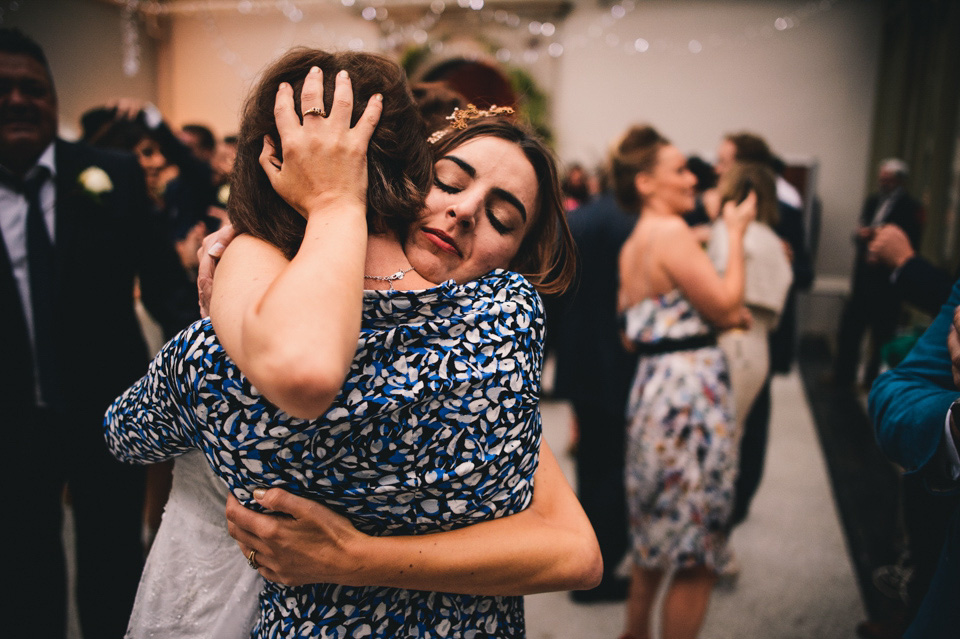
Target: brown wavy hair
399	160
547	254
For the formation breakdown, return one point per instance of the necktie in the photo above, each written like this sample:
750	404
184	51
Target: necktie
42	269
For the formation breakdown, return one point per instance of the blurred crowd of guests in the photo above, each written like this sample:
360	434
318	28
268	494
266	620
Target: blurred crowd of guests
599	371
595	365
685	308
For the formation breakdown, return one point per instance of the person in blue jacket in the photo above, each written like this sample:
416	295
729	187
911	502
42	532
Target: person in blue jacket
915	410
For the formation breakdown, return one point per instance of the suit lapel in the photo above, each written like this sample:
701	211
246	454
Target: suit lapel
68	161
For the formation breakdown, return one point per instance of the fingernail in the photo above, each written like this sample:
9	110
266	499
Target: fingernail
378	97
216	250
314	69
343	74
258	493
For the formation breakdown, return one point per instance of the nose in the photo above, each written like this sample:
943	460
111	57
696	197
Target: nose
465	212
15	95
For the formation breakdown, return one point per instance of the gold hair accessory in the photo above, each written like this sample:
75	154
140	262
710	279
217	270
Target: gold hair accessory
317	110
461	117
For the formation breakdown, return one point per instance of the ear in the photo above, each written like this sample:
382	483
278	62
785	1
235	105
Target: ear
643	183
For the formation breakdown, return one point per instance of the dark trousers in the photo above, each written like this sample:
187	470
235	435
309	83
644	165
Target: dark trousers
926	519
939	614
600	485
47	454
753	453
873	305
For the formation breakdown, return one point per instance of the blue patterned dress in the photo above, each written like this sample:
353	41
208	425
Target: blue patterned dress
436	427
682	447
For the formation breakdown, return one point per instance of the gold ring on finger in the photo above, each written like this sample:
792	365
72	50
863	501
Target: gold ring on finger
252	560
317	110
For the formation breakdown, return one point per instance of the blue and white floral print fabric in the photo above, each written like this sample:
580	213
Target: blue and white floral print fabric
436	427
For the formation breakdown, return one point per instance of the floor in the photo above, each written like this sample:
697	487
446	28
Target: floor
797	578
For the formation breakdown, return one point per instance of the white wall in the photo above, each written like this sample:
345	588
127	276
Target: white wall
210	60
808	90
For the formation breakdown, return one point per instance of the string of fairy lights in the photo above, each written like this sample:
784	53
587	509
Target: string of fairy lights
403	24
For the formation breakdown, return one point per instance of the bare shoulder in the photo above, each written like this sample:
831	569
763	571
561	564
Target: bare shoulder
676	227
245	246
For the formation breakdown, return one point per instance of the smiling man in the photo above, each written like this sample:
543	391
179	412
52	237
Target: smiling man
75	235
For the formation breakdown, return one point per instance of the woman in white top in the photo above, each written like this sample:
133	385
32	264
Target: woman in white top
768	275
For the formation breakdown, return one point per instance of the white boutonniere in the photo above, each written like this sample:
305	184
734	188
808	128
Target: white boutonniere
223	194
95	182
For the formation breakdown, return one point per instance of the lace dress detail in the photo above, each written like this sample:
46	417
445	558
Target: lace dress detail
681	446
436	427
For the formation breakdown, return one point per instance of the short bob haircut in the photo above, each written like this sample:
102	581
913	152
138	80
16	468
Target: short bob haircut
547	255
636	152
399	161
763	182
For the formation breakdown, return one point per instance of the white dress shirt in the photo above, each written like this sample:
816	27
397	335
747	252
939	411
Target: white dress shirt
13	223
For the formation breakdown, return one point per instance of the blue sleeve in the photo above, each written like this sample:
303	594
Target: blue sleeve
909	403
148	424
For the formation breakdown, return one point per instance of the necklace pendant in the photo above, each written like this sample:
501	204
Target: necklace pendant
396	276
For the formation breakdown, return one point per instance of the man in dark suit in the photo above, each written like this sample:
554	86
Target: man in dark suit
594	372
74	239
874	302
915	412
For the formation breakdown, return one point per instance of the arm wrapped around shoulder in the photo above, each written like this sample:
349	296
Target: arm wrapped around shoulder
908	405
150	422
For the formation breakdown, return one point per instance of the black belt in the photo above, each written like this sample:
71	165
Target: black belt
674	345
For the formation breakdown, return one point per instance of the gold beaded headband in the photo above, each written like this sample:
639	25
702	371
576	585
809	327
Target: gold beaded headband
460	118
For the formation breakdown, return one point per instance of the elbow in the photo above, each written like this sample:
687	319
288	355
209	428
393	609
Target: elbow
586	570
301	389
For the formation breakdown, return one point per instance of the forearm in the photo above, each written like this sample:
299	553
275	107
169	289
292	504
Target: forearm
908	412
549	546
142	425
728	311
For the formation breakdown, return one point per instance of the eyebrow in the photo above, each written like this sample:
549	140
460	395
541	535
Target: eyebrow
503	194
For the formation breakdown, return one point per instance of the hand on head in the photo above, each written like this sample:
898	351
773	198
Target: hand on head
127	108
738	216
324	160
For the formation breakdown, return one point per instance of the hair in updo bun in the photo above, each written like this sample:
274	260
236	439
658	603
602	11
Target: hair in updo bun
636	152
